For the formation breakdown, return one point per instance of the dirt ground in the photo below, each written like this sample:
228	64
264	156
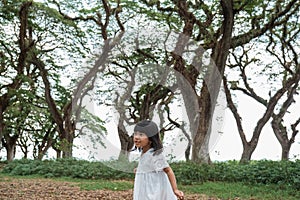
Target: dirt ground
36	189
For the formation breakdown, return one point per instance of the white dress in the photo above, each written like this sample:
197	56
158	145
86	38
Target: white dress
151	182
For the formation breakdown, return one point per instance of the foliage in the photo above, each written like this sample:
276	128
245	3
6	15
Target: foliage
46	35
65	168
283	173
264	172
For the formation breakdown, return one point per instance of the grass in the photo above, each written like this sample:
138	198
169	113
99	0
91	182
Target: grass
213	189
104	184
241	191
98	184
84	184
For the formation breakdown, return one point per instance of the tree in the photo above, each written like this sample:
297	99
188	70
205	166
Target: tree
288	41
67	117
219	27
46	43
14	70
249	146
41	130
33	34
138	101
284	69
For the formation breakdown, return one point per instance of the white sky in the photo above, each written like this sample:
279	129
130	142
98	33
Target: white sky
224	146
225	143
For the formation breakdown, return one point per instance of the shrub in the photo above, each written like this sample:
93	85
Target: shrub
284	173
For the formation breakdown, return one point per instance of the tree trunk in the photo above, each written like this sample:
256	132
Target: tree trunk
56	149
1	122
189	145
282	136
212	83
42	149
279	129
187	153
67	145
200	150
41	154
285	151
10	152
248	150
126	142
25	152
10	146
67	153
58	154
46	143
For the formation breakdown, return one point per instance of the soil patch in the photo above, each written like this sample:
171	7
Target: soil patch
36	189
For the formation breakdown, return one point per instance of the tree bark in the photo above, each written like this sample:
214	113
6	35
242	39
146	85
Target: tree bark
202	107
285	153
1	119
67	148
10	143
248	150
279	129
126	142
46	143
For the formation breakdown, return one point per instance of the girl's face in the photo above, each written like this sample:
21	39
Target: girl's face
141	140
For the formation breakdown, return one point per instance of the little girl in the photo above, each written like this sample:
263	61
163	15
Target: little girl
154	178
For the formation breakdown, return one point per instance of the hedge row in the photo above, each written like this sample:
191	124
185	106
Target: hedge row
69	168
285	173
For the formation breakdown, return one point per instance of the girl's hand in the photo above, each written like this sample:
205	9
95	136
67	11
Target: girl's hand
179	194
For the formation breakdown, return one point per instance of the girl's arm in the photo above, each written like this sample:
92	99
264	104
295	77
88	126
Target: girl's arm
172	179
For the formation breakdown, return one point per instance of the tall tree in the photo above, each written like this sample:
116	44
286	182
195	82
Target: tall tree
14	69
218	26
270	104
46	44
34	34
287	40
141	95
67	117
283	68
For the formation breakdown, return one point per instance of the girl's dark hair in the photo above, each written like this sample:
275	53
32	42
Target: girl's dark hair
151	130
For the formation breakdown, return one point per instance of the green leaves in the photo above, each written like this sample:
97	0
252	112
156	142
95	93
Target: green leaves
57	168
283	173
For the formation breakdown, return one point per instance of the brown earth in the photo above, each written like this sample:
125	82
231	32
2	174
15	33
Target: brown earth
36	189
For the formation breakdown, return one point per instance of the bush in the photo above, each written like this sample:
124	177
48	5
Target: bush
284	173
64	168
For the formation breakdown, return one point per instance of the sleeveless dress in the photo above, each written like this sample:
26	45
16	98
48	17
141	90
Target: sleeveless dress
151	182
